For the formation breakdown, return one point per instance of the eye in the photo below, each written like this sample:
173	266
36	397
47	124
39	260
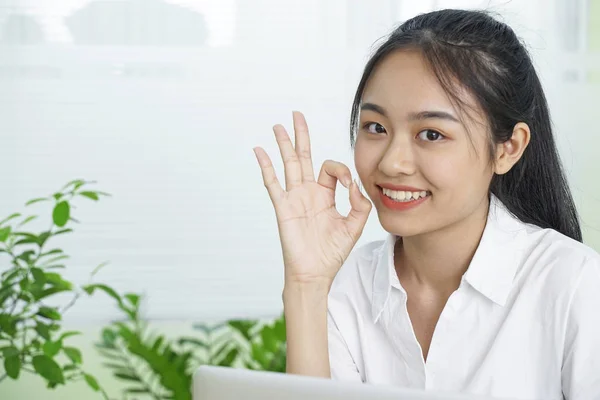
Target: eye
374	128
430	135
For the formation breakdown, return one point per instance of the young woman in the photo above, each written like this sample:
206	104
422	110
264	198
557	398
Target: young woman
483	284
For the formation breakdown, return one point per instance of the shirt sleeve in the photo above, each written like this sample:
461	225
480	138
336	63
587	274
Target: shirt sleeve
341	364
581	360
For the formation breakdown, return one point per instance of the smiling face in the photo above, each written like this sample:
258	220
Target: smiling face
411	138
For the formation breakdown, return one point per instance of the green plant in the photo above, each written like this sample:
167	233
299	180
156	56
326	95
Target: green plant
161	368
264	344
149	362
31	335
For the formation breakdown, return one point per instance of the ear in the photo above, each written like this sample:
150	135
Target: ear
509	152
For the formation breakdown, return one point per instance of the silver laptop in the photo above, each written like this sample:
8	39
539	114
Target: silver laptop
220	383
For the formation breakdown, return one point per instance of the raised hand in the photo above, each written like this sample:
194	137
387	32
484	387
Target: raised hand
315	238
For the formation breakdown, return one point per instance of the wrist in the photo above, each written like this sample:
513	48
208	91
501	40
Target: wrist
306	293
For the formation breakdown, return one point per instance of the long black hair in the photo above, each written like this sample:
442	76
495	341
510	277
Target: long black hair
486	57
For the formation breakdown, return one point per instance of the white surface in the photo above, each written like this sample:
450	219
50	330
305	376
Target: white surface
168	130
216	383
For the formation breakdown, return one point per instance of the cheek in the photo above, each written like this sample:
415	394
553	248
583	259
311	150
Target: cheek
454	170
364	160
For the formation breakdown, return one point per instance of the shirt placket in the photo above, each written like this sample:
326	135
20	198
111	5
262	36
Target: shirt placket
438	364
404	341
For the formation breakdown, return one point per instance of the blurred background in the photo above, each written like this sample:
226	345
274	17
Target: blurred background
161	102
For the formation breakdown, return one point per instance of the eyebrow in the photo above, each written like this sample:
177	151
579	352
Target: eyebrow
418	116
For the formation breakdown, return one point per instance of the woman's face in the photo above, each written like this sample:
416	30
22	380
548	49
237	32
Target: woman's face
410	139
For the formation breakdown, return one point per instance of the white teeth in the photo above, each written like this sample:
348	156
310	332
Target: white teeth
400	195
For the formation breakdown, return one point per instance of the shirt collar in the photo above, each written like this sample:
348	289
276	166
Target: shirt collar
492	268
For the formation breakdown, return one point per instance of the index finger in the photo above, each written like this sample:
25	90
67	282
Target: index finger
269	176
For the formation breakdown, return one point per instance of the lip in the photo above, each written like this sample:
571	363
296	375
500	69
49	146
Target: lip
401	206
401	188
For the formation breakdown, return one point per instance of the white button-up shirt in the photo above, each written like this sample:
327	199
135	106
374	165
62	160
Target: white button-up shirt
524	323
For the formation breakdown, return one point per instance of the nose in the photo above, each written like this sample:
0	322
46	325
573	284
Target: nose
398	159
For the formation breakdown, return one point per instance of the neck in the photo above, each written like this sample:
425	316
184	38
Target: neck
438	260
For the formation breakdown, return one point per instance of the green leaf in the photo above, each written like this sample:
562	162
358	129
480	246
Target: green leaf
51	348
63	231
50	313
90	289
5	233
10	351
43	330
9	218
12	365
56	281
27	220
114	366
133	298
229	358
69	334
243	327
194	341
77	183
61	213
8	324
48	369
50	292
24	284
43	238
53	251
157	343
5	293
73	354
29	238
12	275
26	255
57	196
268	338
208	329
218	354
90	195
55	259
39	199
109	336
70	367
98	268
127	377
259	354
137	390
38	275
279	328
92	382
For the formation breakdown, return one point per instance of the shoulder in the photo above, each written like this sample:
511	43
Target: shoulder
557	260
547	246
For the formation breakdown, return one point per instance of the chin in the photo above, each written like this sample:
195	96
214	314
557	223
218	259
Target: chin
402	226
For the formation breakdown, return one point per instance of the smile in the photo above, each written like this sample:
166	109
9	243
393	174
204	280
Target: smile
402	200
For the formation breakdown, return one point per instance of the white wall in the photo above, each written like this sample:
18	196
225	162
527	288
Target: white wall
168	130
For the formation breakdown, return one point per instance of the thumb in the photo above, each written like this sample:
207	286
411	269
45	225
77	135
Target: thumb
358	215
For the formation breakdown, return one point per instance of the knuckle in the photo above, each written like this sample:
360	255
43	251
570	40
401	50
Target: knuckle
304	153
292	158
